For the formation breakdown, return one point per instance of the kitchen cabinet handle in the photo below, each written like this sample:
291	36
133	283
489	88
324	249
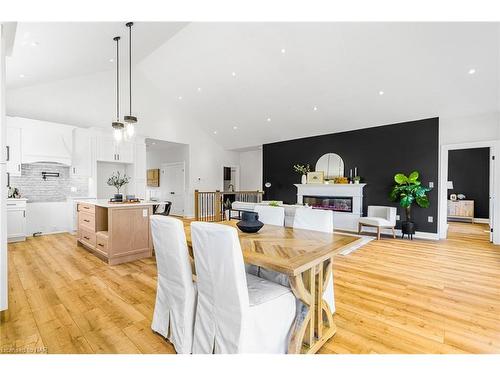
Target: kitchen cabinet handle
86	207
8	179
24	213
86	238
100	244
87	221
19	167
8	153
118	155
74	170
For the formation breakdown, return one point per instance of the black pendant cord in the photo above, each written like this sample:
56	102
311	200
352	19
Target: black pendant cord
117	124
130	118
130	67
117	79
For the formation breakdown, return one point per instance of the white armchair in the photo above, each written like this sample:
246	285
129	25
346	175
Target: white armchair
379	217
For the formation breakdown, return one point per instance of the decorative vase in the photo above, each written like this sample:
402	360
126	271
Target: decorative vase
249	222
408	228
118	197
304	179
356	181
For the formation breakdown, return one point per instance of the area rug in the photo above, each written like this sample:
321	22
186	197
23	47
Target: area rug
363	240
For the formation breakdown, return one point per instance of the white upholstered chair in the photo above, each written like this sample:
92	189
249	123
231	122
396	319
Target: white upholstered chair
236	312
379	217
271	215
175	305
309	219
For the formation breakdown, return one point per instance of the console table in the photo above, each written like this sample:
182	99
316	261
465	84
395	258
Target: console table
461	210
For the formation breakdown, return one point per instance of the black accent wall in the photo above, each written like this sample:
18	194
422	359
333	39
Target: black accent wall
470	172
378	153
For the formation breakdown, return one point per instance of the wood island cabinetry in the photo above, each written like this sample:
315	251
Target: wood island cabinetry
116	233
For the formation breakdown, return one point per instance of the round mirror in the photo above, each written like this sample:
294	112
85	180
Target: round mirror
332	166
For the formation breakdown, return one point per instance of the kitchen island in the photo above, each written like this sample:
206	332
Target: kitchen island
115	232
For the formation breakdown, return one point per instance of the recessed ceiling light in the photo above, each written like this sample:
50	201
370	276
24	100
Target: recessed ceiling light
21	76
268	119
34	44
283	50
315	108
153	143
111	60
235	128
233	74
215	131
199	89
179	97
472	71
381	93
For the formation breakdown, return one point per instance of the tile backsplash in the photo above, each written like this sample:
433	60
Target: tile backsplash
54	189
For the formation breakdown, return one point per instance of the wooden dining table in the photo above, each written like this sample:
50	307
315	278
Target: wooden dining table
306	257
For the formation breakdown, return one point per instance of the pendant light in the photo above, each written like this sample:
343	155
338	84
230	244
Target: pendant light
117	125
130	119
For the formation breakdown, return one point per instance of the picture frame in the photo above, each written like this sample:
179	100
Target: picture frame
316	177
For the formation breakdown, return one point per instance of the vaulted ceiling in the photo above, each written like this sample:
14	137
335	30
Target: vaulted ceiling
247	84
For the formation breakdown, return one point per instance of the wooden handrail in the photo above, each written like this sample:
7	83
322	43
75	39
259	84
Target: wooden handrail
209	205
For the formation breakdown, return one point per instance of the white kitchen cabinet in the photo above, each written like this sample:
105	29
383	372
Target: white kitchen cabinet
106	148
125	152
109	151
16	220
82	153
13	143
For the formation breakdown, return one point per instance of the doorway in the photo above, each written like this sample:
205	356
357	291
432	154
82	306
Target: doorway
172	182
467	191
230	178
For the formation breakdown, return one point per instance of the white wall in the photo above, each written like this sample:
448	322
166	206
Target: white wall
251	170
481	127
104	171
171	154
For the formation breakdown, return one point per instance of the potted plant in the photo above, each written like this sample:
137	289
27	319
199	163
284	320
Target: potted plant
356	179
118	181
303	170
409	190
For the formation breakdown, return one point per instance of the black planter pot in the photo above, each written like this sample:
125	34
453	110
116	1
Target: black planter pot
249	222
408	228
118	197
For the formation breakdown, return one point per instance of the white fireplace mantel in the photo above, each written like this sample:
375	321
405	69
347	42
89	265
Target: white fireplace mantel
341	220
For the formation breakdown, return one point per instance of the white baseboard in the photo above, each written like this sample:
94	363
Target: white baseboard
481	221
420	235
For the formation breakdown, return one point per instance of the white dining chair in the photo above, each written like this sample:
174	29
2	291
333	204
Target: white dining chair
309	219
271	215
236	312
175	305
313	219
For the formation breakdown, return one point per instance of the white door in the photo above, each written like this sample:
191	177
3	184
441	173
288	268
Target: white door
492	191
14	151
16	223
106	150
172	186
81	160
125	152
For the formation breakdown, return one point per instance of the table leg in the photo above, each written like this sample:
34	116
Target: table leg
317	326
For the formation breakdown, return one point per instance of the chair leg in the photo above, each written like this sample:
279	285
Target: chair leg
378	233
393	233
360	226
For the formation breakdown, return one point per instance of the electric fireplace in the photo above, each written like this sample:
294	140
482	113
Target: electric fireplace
340	204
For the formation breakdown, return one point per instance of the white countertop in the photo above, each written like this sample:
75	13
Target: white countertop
107	204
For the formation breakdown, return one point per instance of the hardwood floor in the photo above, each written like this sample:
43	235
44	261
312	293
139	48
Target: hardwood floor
392	296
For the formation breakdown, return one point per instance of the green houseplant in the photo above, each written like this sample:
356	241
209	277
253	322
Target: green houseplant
303	170
409	190
118	181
